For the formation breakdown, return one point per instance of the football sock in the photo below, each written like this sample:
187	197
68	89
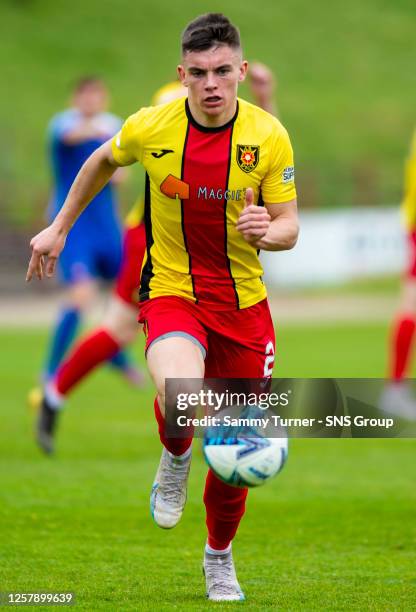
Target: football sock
214	551
176	446
225	506
63	335
401	344
182	457
87	354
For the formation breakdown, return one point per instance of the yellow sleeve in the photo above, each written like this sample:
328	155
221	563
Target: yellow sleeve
279	183
127	144
409	201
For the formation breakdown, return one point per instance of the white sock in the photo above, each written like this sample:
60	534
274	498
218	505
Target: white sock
184	455
53	397
214	551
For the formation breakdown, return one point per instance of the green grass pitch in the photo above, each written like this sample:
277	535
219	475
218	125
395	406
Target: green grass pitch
335	531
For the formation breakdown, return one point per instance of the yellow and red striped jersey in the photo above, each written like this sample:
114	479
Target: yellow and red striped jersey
409	200
196	179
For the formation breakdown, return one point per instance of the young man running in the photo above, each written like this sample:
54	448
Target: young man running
220	187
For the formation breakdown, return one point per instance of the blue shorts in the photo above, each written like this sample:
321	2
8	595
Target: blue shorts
90	256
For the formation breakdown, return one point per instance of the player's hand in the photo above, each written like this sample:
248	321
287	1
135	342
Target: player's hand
262	82
254	221
46	247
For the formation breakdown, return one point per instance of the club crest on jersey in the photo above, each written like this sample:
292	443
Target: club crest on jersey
248	157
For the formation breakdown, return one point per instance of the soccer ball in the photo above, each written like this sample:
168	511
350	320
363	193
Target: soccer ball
244	457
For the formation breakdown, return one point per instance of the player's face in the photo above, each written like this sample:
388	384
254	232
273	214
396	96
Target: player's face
91	99
212	79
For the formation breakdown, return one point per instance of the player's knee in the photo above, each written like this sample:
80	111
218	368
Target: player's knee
80	295
123	334
121	322
178	396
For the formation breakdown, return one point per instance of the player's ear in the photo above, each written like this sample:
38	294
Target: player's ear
243	71
181	74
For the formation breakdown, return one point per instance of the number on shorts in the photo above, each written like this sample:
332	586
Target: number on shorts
269	361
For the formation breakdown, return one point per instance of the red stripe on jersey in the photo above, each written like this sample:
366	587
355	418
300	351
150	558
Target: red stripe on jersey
205	167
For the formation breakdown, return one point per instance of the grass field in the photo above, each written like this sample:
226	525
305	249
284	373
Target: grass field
334	531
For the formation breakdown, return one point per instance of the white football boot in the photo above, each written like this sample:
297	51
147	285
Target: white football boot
220	577
169	490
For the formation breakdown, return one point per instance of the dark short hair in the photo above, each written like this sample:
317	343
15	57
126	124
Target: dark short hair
208	31
88	81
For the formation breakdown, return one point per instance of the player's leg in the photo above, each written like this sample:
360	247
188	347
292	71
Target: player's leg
79	295
119	329
172	357
403	332
243	347
175	350
396	397
77	273
125	265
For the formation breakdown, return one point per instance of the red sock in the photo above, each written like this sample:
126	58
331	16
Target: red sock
176	446
401	344
87	354
225	506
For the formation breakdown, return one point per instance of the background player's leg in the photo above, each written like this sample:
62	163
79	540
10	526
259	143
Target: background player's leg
119	328
123	264
120	322
397	398
403	332
79	296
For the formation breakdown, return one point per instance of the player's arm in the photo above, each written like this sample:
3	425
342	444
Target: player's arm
92	177
273	227
119	176
85	129
262	84
282	233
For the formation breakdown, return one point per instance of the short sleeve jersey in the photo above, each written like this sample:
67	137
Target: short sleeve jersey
409	201
196	178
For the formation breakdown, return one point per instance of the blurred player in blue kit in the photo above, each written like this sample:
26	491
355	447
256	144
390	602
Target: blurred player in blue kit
93	250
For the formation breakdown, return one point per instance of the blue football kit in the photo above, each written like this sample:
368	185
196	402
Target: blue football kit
94	245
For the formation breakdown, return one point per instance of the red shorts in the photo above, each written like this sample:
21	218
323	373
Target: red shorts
411	266
128	279
235	344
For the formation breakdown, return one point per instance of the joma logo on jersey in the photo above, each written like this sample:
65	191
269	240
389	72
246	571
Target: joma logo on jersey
248	157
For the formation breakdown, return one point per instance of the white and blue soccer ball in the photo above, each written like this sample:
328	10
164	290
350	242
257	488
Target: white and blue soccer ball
243	457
